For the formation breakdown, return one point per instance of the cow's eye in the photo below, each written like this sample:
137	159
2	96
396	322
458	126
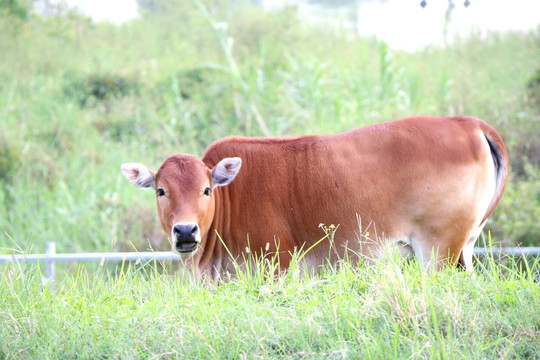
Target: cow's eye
207	191
160	192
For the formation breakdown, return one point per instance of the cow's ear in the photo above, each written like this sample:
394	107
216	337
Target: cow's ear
225	171
139	175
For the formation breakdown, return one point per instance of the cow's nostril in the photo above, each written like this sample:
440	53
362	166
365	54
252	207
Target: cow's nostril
186	231
186	237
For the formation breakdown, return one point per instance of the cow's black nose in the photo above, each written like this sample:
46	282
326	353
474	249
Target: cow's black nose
186	236
185	230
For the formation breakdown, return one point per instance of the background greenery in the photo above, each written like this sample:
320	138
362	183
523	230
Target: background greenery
79	98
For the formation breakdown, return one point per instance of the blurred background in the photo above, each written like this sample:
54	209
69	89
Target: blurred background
88	85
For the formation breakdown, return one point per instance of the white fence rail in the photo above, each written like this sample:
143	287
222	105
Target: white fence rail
50	258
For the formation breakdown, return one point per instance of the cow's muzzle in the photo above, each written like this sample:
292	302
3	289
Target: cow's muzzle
186	237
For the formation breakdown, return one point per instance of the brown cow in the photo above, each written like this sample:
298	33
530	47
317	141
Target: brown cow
427	184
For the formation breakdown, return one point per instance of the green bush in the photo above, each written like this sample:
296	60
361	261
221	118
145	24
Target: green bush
533	91
9	160
97	88
515	221
16	8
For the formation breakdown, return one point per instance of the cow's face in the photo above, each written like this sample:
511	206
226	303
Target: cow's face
184	188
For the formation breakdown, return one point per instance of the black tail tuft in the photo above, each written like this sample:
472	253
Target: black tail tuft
498	160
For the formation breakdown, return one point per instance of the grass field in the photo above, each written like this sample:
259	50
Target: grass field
389	311
79	98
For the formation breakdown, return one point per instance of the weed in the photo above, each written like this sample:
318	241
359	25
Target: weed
9	160
98	88
533	91
390	309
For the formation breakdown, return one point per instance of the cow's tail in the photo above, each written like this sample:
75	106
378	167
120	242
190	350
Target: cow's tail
501	164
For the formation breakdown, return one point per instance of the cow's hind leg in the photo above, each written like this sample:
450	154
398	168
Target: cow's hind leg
466	258
428	256
435	251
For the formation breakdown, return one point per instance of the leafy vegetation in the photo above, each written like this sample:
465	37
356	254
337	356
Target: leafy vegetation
79	98
391	310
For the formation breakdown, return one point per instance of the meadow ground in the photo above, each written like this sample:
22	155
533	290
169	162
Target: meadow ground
393	310
79	98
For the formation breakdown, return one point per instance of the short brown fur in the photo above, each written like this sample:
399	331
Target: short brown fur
424	178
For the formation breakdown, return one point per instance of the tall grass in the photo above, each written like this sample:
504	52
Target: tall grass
392	310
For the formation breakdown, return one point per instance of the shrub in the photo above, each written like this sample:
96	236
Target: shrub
99	87
194	83
16	8
524	145
9	160
516	218
533	91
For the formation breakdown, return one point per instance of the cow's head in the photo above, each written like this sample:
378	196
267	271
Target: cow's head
184	190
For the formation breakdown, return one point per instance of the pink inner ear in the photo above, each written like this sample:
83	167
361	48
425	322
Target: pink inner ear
134	174
131	173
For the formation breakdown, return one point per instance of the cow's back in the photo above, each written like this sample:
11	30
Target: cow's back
399	178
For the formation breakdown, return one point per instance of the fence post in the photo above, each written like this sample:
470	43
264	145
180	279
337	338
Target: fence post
50	264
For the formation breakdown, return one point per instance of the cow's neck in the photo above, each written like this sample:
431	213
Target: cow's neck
214	259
